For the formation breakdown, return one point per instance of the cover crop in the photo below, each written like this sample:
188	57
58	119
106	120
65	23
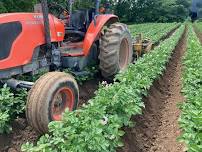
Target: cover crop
191	117
97	126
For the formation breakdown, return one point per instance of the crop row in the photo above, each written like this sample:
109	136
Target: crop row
154	31
97	125
12	103
198	25
191	117
10	107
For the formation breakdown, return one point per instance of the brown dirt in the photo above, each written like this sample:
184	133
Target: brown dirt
87	90
157	129
23	133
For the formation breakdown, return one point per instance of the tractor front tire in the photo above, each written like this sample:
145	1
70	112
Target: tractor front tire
116	51
48	99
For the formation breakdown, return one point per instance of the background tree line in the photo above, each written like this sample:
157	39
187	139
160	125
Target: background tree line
128	10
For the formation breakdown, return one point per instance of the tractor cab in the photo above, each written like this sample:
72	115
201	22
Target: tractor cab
79	23
82	31
76	20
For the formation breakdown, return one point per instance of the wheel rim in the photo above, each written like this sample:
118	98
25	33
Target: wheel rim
123	54
62	100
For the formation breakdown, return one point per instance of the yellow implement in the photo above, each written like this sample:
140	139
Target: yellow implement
142	46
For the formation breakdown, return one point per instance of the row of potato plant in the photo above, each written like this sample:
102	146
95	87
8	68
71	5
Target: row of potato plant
153	31
97	126
11	106
12	103
191	117
198	26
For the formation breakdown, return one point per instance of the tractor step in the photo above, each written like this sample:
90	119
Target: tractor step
71	52
72	49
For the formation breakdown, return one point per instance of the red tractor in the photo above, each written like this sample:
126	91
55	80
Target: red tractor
71	39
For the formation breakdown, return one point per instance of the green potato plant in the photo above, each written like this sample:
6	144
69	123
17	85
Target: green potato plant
96	127
191	116
154	31
11	106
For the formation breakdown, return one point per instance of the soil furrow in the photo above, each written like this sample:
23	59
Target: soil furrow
157	129
163	38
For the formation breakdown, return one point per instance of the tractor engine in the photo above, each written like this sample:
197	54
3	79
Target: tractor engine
22	42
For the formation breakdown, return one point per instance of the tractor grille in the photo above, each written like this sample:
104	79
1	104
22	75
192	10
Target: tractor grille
8	34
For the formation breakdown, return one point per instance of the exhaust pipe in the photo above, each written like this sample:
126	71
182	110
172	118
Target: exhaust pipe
16	84
45	11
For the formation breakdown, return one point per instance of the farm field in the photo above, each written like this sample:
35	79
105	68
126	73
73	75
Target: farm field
153	31
109	133
156	101
100	76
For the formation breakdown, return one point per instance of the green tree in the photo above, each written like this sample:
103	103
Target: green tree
128	10
16	5
152	10
2	7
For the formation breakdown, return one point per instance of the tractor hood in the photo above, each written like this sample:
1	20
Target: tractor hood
21	34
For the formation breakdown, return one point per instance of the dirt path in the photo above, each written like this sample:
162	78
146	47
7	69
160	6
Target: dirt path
157	129
23	133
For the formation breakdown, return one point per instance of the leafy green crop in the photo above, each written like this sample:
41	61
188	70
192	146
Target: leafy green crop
10	107
191	117
154	31
97	126
88	73
198	25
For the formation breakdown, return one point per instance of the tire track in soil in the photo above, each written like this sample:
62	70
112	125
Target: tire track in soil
23	133
157	129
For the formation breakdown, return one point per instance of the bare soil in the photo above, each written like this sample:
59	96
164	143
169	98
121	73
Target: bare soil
23	133
157	129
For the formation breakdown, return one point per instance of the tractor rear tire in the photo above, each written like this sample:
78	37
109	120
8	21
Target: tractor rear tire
48	99
116	51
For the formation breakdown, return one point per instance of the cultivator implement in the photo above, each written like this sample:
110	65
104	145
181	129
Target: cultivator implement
141	45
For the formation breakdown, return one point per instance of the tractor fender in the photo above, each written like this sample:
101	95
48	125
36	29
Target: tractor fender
95	29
